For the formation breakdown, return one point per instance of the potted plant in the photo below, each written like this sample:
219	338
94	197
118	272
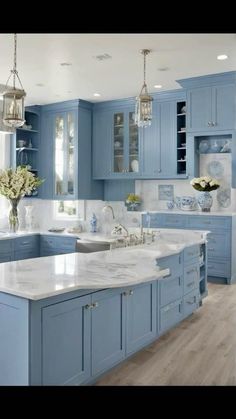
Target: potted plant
132	202
205	185
14	185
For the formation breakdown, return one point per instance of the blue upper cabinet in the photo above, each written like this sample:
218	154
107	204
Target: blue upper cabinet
210	102
115	141
65	152
26	141
162	144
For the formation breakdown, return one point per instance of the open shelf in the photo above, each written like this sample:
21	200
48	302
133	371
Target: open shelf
26	149
181	137
27	130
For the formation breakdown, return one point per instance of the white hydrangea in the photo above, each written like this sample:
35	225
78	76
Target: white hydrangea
203	184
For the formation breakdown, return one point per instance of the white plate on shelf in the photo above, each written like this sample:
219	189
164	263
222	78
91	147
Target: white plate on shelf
135	165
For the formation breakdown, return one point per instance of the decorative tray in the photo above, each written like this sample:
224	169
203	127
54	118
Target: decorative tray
56	230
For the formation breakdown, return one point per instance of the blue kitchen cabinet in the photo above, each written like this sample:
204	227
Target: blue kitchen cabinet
26	247
53	245
102	145
211	108
108	329
6	250
141	315
66	346
210	102
116	150
65	152
221	264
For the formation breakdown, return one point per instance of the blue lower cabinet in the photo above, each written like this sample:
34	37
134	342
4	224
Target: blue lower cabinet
6	250
191	277
108	330
66	346
26	247
141	315
52	245
191	302
171	289
170	315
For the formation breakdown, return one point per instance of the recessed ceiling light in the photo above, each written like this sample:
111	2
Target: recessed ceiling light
163	68
222	57
158	86
65	64
69	91
96	94
39	84
102	57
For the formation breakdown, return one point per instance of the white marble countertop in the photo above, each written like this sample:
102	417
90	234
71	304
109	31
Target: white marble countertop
44	277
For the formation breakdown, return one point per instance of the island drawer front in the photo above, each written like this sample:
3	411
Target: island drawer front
171	289
191	302
58	242
206	222
173	263
191	252
173	220
218	267
27	242
6	246
191	277
219	244
170	315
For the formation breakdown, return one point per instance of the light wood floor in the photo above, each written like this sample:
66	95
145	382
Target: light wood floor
199	351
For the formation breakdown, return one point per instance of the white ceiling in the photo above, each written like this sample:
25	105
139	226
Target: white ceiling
39	57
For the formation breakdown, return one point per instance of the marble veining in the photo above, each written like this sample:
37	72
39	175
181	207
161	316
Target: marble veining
52	275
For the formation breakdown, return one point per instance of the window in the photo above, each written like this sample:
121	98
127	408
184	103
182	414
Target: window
69	210
5	141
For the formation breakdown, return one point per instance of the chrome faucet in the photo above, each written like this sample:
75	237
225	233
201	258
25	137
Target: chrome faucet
108	207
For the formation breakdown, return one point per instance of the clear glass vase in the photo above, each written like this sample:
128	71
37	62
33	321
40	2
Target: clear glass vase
13	215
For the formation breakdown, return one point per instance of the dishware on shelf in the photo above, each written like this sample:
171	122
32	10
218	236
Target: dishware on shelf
21	143
187	203
215	147
203	146
183	144
170	204
117	144
135	165
226	147
183	109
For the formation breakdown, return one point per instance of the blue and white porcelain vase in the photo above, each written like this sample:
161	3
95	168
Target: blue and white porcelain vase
205	201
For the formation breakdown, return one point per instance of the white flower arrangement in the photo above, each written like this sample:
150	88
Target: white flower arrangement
205	183
16	183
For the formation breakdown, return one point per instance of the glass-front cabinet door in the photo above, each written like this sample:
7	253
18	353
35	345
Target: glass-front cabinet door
64	154
125	144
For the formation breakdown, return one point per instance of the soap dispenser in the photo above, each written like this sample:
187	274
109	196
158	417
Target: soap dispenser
93	224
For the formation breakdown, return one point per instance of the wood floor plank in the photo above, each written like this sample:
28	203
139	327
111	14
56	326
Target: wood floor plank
199	351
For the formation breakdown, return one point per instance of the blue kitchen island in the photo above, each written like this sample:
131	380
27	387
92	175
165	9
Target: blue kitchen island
67	319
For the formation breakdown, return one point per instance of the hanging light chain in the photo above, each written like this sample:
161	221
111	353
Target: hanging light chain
144	66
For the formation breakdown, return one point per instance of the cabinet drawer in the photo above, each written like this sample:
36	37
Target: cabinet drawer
171	289
206	222
51	242
170	315
6	246
174	263
217	267
191	252
191	277
173	220
26	242
191	302
219	244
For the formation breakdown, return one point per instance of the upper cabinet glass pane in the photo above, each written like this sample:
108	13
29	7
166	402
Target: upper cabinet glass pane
64	154
133	144
118	140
